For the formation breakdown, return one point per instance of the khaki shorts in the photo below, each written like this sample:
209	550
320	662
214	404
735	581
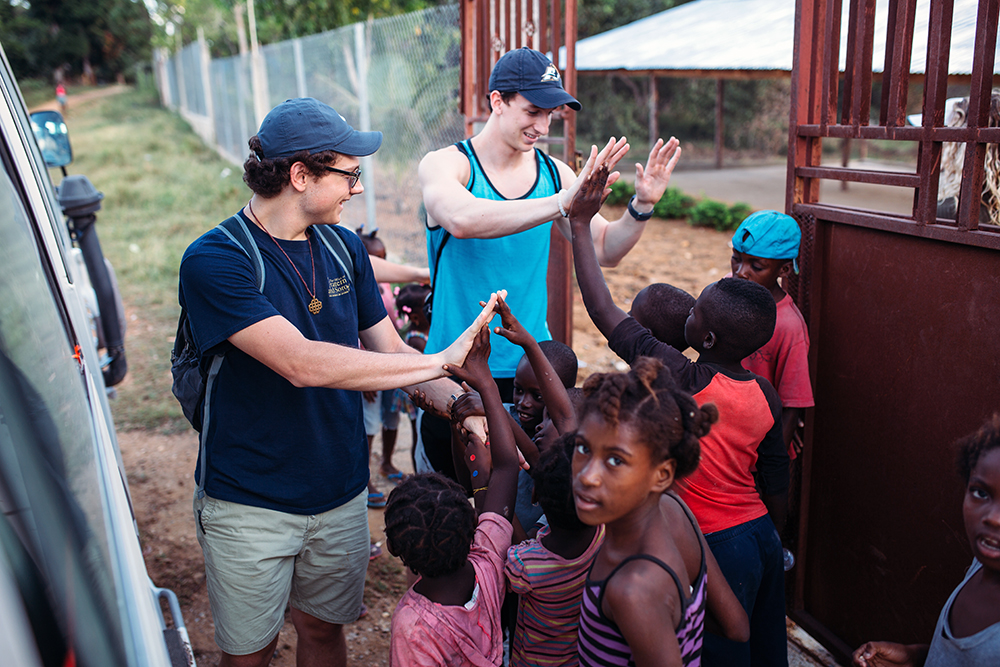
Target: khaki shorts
257	560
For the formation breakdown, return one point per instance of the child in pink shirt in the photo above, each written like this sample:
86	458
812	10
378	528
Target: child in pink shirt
451	615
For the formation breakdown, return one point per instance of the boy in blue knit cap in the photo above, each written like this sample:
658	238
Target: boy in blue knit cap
766	248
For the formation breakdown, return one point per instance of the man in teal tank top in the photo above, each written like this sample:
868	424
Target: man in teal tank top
491	201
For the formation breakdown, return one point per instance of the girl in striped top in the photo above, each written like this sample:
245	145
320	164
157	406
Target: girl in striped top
638	433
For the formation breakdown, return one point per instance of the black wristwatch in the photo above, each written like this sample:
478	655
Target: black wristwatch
641	217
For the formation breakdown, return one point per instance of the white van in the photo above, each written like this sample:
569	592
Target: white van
73	585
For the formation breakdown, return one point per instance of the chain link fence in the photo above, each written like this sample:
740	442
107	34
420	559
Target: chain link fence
399	75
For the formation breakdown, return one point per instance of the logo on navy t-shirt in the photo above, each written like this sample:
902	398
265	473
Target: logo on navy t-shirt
338	286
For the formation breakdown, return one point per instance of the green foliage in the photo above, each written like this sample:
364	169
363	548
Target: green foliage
715	214
107	36
673	205
621	193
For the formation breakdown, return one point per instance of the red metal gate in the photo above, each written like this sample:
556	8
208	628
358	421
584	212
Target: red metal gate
903	312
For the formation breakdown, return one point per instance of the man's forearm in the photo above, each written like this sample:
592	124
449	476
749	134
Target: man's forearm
488	219
618	238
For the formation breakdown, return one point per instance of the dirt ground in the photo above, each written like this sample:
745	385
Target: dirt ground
160	468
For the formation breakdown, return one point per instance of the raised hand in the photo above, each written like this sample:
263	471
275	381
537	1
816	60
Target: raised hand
512	330
609	156
456	352
476	369
588	200
651	181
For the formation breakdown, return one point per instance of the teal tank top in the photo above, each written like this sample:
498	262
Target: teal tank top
468	270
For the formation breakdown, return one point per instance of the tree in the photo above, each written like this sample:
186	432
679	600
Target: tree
107	36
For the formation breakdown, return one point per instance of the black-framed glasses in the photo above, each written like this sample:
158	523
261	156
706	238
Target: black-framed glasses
353	176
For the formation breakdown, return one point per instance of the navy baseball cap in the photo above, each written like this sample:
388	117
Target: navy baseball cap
530	73
769	235
306	124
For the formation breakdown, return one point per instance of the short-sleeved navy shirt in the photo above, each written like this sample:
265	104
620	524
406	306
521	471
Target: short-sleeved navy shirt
270	444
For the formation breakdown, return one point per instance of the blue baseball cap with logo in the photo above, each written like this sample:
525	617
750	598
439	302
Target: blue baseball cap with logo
530	73
769	235
306	124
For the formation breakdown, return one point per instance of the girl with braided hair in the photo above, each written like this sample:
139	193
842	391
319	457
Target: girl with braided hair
451	615
638	434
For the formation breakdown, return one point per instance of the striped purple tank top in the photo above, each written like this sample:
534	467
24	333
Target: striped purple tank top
601	643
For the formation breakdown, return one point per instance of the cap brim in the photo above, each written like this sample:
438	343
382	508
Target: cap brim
360	144
551	97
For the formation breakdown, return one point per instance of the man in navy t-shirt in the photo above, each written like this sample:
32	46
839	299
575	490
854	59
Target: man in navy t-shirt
283	465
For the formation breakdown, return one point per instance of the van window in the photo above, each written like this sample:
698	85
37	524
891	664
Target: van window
50	486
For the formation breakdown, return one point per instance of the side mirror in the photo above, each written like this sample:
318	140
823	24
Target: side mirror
53	138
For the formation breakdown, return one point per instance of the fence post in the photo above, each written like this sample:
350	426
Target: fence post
206	85
364	120
300	68
182	103
258	80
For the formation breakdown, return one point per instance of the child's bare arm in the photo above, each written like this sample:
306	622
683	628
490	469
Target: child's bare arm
553	392
642	600
596	297
502	489
890	654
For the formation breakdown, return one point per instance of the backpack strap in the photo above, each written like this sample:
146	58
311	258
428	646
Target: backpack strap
236	229
331	239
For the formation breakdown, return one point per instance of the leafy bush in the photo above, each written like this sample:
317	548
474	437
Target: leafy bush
621	193
711	213
738	213
674	205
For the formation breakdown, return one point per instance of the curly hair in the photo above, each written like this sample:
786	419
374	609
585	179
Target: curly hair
969	449
660	414
267	177
430	524
553	477
742	314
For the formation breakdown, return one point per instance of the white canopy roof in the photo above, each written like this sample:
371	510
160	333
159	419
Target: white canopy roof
729	35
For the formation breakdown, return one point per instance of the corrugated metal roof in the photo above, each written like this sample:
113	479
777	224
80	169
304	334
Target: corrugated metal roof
750	35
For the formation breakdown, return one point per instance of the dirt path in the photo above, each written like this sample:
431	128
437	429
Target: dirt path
160	468
80	98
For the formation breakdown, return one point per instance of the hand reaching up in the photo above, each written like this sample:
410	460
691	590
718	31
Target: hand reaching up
608	157
651	182
476	369
456	352
512	330
588	200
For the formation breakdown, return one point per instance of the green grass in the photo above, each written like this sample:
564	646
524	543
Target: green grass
162	189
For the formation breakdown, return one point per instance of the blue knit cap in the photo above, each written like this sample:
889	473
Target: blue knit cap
769	235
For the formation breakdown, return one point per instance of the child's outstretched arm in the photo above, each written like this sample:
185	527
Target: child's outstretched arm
501	490
551	387
596	297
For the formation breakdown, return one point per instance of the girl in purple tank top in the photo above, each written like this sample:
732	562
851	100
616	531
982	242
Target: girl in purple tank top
638	433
